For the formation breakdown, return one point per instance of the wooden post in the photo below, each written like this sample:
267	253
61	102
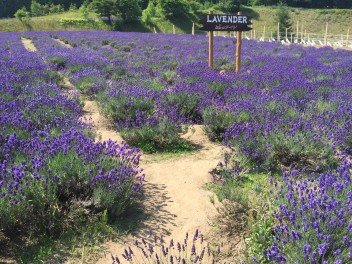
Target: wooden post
297	32
286	35
278	31
193	29
326	34
211	47
238	48
301	32
291	37
264	34
254	34
348	33
173	29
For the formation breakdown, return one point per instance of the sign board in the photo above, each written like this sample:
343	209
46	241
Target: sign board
212	22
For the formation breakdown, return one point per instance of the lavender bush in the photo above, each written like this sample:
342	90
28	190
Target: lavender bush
49	162
190	250
313	219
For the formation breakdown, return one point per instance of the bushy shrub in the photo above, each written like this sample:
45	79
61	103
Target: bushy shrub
58	62
90	85
163	136
216	122
128	111
186	105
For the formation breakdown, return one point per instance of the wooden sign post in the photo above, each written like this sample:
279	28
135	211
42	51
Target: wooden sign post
211	49
237	23
238	50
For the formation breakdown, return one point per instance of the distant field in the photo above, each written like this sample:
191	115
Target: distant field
313	21
43	23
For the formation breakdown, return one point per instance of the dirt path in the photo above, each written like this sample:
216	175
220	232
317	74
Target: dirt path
175	199
99	123
28	44
63	43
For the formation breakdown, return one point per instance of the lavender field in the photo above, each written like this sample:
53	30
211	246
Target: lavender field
286	115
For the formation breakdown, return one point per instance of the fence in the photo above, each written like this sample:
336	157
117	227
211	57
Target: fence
299	36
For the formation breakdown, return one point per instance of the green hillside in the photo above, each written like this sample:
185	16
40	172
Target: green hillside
312	21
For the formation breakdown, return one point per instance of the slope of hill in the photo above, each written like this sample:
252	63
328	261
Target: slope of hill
311	21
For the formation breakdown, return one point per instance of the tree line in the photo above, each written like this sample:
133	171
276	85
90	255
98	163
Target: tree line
8	8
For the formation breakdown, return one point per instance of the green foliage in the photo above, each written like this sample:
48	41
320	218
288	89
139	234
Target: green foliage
173	8
112	202
81	23
105	8
260	238
246	207
276	151
216	122
186	105
163	137
348	144
233	6
38	9
83	12
169	76
59	62
129	10
104	42
85	84
282	16
72	7
149	12
123	108
22	14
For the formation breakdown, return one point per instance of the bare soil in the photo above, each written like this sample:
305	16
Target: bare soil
28	44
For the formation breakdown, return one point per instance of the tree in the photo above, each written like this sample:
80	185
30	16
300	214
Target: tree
143	4
233	6
129	10
173	8
22	14
105	8
38	10
83	11
282	16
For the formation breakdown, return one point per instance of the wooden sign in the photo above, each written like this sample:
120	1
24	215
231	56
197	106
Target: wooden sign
213	22
237	23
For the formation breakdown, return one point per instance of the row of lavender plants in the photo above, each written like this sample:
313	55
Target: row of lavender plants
284	95
289	109
54	177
